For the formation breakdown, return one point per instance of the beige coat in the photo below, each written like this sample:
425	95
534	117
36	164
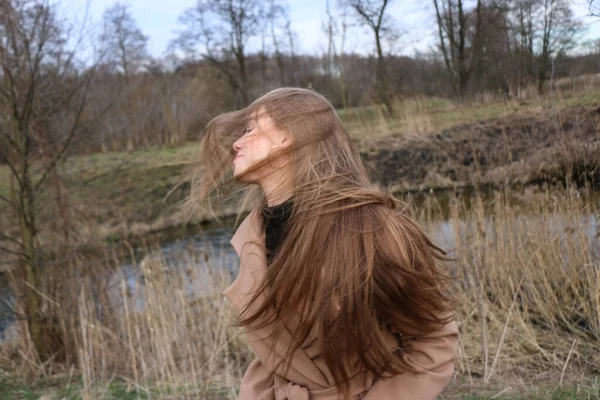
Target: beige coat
309	378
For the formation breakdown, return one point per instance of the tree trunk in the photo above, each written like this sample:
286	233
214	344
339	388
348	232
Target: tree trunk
28	264
381	82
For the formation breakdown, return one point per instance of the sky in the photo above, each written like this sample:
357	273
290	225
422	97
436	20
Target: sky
158	20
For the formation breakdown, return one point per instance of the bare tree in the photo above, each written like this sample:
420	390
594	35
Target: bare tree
43	98
540	30
459	33
336	29
264	60
291	35
558	33
218	31
278	22
125	50
125	46
521	32
328	28
372	13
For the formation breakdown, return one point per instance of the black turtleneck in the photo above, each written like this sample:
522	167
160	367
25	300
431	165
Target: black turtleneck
274	219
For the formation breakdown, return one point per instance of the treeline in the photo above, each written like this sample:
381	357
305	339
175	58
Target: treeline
227	53
506	48
169	107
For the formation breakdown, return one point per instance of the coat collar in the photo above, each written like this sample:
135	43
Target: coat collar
248	241
250	230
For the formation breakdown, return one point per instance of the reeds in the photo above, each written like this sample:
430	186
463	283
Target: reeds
527	277
173	333
527	272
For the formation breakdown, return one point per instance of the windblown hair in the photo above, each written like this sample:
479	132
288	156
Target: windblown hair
353	261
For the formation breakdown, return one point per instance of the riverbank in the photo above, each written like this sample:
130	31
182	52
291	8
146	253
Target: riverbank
432	144
436	145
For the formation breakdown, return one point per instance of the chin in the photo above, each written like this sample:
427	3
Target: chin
239	176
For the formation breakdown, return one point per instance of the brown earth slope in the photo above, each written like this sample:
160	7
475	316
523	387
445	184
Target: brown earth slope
548	147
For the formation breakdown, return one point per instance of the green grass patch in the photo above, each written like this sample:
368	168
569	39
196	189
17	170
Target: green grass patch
59	389
12	389
567	392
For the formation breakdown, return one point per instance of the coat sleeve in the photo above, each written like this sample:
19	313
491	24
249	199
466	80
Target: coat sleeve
257	383
433	357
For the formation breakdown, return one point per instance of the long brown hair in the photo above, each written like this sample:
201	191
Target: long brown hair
353	261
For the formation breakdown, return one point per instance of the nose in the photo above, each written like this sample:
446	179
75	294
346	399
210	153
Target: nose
237	145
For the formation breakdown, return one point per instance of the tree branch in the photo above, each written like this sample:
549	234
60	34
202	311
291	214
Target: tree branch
8	201
13	170
361	11
593	12
61	153
13	252
6	238
381	11
11	81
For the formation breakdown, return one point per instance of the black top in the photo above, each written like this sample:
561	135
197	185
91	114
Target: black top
274	219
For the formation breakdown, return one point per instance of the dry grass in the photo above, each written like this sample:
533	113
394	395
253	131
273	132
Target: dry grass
161	326
528	284
527	278
421	116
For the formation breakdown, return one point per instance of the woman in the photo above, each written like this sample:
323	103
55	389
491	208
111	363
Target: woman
340	293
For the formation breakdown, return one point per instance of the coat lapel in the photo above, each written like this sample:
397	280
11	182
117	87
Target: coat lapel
249	243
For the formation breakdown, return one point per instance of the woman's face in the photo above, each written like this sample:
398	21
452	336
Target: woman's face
259	138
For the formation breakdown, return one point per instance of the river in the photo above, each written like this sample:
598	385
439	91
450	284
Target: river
212	243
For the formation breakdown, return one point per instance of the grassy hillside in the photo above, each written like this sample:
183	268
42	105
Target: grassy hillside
430	143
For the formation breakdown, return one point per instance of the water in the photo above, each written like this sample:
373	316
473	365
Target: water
196	252
212	244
